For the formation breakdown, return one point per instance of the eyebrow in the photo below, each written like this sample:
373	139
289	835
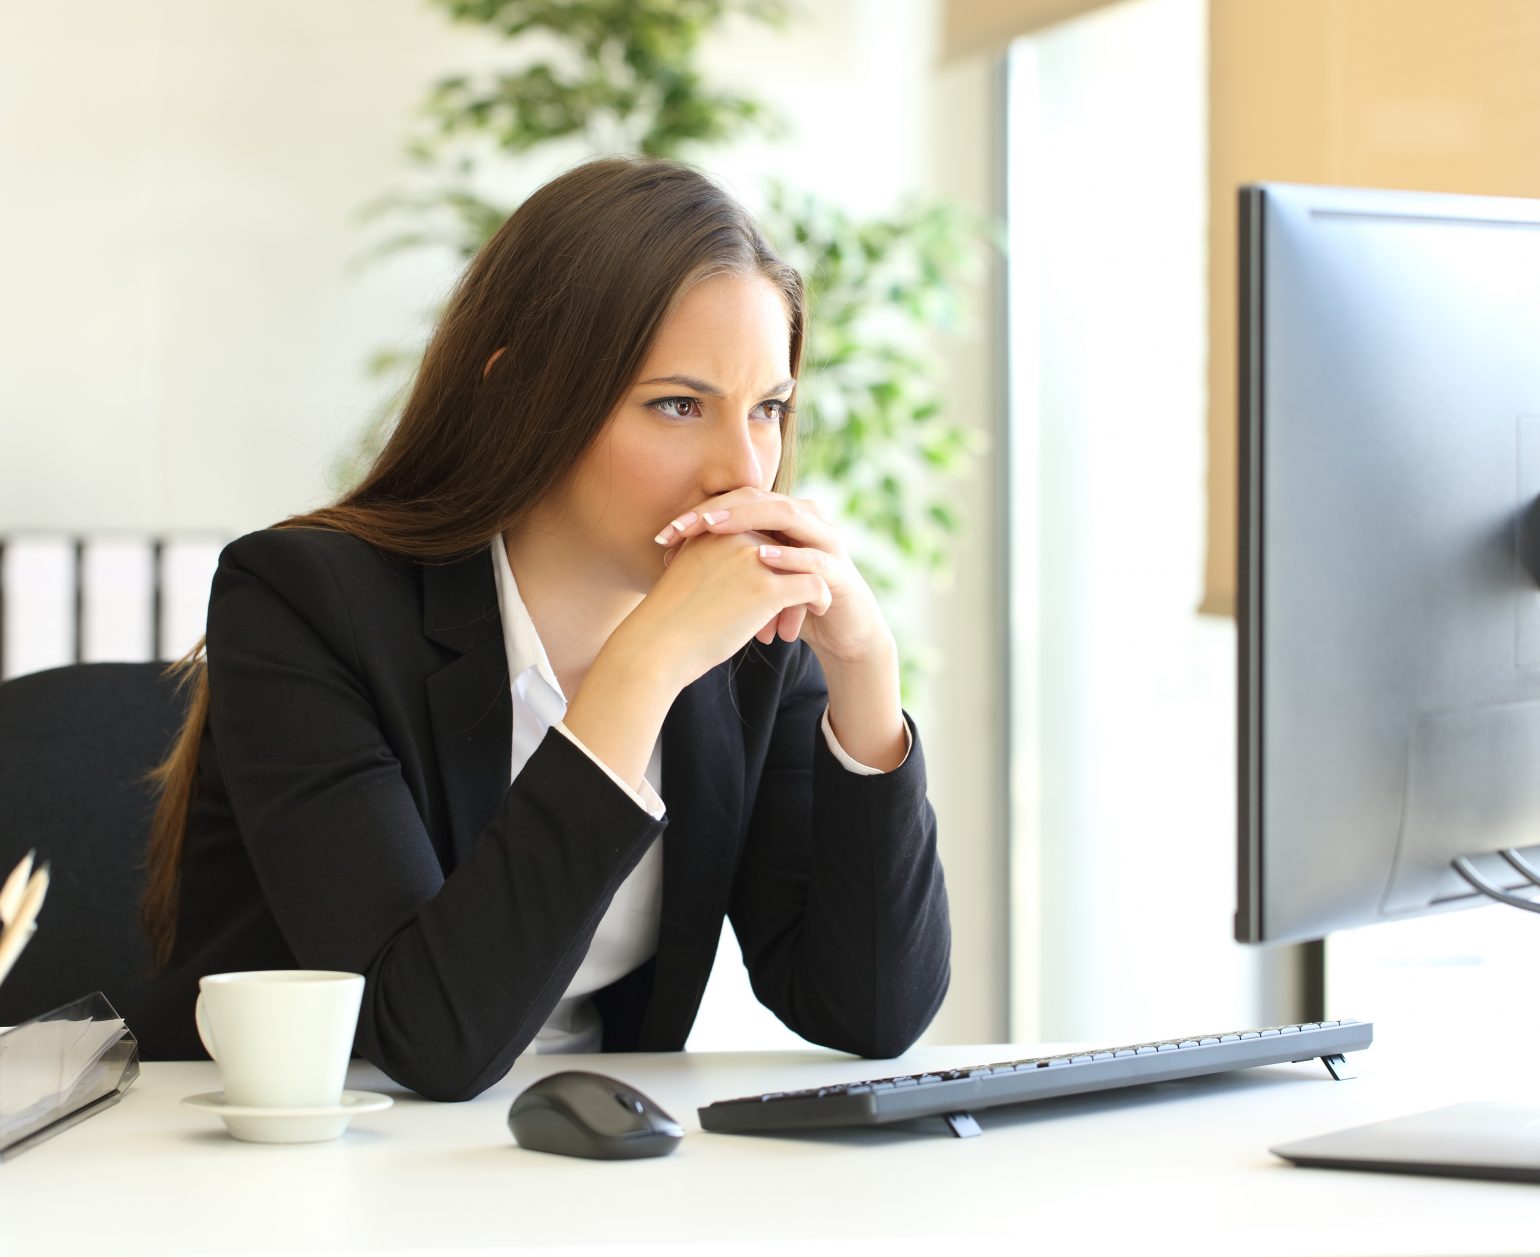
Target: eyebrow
697	385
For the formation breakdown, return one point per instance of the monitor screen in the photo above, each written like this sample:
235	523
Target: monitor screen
1388	607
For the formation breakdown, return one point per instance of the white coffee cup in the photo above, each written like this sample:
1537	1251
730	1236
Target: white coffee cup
282	1037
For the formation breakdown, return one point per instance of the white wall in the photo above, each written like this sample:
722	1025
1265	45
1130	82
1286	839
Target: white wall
1123	858
180	339
181	185
184	326
966	702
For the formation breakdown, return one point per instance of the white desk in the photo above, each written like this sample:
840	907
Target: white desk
1178	1167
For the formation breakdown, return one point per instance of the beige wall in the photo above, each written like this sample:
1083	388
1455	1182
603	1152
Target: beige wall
970	27
1424	94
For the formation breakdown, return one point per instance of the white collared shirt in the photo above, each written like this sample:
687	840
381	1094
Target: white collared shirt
627	935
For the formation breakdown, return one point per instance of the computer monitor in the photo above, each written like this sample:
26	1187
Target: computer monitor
1389	598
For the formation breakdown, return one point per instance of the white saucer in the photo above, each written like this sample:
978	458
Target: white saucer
289	1126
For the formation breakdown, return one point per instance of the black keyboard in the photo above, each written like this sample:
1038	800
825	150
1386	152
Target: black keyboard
952	1093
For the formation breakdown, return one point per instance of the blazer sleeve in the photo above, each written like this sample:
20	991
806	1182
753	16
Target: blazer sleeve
461	971
839	903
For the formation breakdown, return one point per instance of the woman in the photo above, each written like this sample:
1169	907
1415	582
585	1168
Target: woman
571	567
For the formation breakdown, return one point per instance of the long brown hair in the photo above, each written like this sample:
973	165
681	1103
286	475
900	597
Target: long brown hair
572	290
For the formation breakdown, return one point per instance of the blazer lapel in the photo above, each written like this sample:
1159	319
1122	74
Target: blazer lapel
703	774
468	700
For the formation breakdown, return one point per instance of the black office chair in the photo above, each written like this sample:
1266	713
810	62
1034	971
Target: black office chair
75	745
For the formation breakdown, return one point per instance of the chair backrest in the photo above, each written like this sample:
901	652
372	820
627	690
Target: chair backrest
75	746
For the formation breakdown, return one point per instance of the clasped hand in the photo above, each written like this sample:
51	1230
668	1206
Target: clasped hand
751	563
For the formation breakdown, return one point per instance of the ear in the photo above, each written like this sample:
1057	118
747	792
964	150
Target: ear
496	354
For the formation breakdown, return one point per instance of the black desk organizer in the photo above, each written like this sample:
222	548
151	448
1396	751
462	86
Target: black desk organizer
60	1068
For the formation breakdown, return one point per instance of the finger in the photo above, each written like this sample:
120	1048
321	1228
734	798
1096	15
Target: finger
677	528
797	520
807	565
749	508
766	635
810	592
801	559
789	623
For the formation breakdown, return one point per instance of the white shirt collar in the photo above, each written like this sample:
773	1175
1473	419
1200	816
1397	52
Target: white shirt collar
529	668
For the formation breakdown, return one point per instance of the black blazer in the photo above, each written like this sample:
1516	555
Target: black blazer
353	812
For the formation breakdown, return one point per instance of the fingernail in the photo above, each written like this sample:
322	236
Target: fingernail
664	537
684	521
668	556
769	552
715	517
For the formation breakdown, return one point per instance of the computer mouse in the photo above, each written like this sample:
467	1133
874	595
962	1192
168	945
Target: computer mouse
578	1114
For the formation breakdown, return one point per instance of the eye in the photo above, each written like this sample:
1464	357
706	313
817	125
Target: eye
773	411
677	407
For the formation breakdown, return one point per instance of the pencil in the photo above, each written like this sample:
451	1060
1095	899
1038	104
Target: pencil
15	886
20	928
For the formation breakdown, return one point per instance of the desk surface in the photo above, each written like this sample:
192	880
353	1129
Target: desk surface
1178	1166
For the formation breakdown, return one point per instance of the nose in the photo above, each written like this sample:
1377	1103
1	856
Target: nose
738	457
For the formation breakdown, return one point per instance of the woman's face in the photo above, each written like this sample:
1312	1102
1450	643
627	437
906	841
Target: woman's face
703	417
